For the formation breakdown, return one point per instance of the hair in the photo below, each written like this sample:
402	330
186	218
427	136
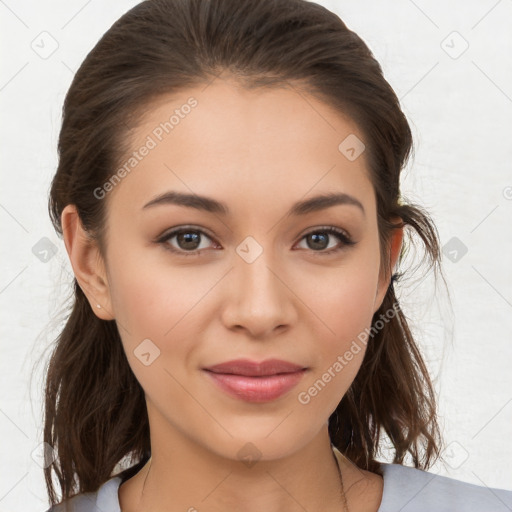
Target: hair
95	410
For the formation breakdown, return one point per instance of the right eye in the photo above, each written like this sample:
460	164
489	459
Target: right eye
188	240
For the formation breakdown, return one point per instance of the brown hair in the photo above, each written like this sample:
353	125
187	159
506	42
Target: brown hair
95	411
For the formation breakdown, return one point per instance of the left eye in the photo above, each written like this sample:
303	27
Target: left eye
189	240
321	235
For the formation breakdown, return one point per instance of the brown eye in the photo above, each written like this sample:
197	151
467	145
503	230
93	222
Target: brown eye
318	240
188	241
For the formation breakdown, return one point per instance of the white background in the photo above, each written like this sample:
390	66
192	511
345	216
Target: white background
460	109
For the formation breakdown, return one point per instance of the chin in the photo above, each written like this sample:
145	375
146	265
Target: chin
269	440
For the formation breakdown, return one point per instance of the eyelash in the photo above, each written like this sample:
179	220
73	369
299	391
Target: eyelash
342	235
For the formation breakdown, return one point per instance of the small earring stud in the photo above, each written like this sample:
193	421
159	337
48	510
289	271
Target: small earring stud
98	306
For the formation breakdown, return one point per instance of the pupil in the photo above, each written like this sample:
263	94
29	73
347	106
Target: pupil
315	237
188	240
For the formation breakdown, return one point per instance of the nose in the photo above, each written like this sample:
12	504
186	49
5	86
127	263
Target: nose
259	299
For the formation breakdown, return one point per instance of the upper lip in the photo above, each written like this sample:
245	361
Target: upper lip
254	369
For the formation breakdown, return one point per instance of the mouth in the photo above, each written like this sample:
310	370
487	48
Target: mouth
256	382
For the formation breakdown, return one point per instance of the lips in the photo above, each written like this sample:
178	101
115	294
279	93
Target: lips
256	382
254	369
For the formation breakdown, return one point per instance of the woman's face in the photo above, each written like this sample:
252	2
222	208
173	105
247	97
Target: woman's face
257	278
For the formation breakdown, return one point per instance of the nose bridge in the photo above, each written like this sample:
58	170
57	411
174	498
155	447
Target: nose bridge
253	268
260	299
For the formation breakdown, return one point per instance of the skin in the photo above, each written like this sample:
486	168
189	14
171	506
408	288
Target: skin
259	152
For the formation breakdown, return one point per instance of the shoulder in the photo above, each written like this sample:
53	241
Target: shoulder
414	490
105	499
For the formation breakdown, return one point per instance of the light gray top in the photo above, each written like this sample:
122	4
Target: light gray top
405	490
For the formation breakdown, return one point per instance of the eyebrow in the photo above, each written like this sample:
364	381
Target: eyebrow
313	204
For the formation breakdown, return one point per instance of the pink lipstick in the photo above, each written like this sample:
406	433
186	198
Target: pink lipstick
256	382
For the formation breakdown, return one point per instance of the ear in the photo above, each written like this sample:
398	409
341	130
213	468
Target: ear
87	263
386	274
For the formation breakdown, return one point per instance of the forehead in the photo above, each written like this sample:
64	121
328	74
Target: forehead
263	147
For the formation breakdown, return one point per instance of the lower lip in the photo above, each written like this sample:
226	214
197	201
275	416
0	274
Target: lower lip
256	389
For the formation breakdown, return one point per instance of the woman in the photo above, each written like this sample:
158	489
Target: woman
228	194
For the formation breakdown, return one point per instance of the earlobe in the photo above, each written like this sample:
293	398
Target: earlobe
395	248
87	263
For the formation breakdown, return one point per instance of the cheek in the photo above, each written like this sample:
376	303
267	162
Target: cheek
355	301
344	302
151	297
344	298
163	304
340	346
152	315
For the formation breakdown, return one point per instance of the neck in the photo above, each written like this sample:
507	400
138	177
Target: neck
184	476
